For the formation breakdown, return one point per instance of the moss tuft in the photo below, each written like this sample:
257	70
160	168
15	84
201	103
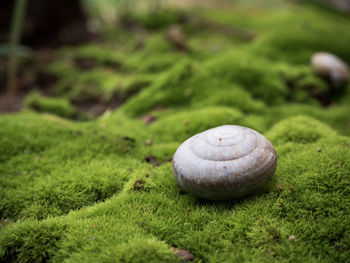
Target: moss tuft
189	123
57	106
31	241
299	129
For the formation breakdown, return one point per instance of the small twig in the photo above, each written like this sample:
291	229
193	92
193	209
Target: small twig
15	34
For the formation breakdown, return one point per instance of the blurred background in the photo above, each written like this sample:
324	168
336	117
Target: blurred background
93	55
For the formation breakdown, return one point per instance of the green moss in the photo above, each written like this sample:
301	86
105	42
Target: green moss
93	55
158	19
149	215
63	190
103	191
169	90
31	241
299	130
297	37
336	115
142	249
58	106
151	63
254	74
189	123
230	96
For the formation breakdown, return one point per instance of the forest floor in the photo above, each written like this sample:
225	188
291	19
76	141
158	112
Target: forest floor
85	166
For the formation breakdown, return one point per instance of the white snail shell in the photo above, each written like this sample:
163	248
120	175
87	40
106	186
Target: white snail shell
331	67
225	162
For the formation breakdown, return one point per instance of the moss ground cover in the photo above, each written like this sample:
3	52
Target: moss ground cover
102	190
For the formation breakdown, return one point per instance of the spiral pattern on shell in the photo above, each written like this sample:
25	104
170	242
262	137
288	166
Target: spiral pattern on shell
225	162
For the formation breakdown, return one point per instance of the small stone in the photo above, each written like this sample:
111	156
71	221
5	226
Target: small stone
198	163
331	67
291	238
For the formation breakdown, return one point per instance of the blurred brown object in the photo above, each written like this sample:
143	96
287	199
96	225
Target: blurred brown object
341	5
332	68
148	119
176	37
9	103
47	23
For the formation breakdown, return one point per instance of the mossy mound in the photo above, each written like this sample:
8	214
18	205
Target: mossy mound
103	191
58	106
129	210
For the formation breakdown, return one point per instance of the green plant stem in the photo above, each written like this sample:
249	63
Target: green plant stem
15	33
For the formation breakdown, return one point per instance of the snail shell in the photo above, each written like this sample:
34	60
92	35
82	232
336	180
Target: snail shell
331	67
225	162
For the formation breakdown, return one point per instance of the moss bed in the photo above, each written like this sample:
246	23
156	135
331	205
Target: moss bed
74	188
